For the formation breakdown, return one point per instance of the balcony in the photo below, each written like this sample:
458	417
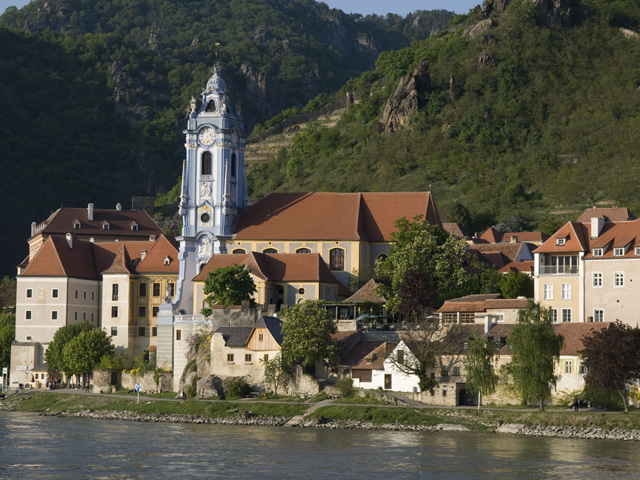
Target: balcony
558	270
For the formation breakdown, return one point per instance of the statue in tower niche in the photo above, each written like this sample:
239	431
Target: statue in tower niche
214	186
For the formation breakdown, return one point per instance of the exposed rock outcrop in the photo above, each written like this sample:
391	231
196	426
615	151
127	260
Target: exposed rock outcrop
552	12
261	90
478	29
405	101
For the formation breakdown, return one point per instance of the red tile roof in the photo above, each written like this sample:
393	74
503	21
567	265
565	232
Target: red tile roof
453	306
518	267
491	235
120	222
333	216
613	214
576	237
89	260
277	267
573	334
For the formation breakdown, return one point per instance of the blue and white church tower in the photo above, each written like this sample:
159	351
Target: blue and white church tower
214	186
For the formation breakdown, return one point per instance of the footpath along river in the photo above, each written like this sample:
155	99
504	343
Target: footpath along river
37	447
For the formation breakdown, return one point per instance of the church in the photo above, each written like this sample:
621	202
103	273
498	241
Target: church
118	270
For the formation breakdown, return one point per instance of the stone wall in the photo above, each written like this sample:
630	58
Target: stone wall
147	382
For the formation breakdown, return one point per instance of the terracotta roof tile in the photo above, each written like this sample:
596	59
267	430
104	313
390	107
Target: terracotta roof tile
453	229
332	216
576	237
573	334
120	222
367	294
613	214
518	267
277	267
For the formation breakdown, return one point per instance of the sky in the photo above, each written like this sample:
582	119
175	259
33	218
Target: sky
381	7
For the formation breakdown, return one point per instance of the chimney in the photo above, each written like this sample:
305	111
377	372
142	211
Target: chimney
488	324
514	239
69	240
118	207
90	212
596	226
143	254
33	228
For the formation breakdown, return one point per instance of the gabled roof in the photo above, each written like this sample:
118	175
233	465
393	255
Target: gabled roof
453	229
62	221
576	237
235	336
518	267
365	355
332	216
57	259
89	260
612	214
277	267
491	235
274	325
497	253
367	293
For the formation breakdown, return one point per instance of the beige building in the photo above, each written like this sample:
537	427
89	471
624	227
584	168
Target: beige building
486	309
89	273
348	230
586	272
280	278
242	351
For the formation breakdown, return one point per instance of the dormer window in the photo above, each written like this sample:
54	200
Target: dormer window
77	224
167	261
561	241
598	252
637	251
106	226
619	252
134	226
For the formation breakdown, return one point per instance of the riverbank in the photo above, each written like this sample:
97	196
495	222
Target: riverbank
330	414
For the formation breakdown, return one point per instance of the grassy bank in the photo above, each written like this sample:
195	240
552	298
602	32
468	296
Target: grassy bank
376	414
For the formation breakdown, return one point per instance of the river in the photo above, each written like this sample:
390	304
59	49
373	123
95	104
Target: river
38	447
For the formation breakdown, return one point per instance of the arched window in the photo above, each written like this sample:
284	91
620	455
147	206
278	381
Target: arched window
233	165
269	250
205	168
239	251
211	106
381	258
336	259
303	250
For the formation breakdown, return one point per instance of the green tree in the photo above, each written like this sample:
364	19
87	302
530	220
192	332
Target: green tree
276	373
514	285
84	352
7	294
480	371
228	286
535	348
54	355
306	335
425	254
7	335
611	358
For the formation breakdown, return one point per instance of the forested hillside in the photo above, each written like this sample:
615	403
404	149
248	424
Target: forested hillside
530	110
93	93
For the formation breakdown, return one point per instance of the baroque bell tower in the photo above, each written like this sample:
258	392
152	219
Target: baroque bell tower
214	186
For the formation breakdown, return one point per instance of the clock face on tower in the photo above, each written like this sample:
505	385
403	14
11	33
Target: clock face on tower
207	136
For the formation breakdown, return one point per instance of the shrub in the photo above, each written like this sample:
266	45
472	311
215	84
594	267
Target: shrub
237	388
345	386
